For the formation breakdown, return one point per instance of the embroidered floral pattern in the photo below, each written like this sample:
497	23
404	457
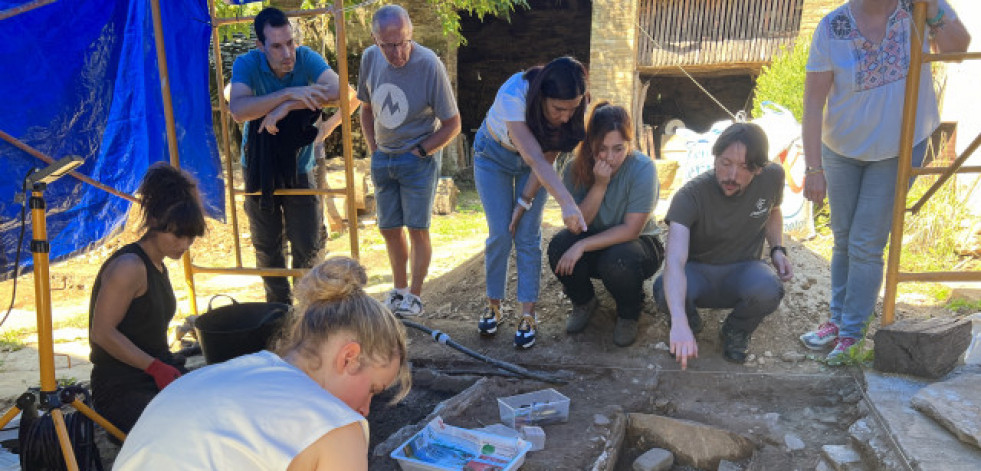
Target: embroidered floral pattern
842	27
876	64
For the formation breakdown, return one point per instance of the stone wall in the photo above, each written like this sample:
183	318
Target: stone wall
613	51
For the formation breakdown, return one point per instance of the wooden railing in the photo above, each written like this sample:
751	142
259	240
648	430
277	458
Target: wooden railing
701	34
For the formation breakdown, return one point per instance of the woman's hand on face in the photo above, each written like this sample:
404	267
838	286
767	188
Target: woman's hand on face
815	188
602	172
569	259
515	218
572	217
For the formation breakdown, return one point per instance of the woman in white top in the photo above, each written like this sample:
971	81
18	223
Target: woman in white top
853	99
536	114
300	408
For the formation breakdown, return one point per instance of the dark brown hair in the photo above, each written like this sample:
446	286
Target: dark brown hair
269	16
604	119
750	135
170	202
561	79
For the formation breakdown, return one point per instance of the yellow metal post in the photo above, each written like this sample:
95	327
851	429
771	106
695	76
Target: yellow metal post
352	210
168	107
905	162
225	136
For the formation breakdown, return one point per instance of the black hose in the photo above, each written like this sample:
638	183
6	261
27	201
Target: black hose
444	338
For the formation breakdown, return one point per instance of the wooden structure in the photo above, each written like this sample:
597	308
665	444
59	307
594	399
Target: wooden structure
714	35
893	275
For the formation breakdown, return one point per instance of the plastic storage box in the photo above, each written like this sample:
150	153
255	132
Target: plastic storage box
441	447
535	408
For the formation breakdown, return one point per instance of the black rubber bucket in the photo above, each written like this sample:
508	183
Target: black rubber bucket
238	329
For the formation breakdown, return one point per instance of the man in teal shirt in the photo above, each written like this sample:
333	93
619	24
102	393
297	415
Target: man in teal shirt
267	83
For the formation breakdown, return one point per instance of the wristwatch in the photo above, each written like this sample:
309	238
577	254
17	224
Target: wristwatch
776	248
422	150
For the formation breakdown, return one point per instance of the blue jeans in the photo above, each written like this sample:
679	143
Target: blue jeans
500	176
405	187
751	289
860	197
301	220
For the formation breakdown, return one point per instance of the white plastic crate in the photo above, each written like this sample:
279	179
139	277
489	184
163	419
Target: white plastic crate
441	447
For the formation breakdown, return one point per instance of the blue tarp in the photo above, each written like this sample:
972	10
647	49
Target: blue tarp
81	78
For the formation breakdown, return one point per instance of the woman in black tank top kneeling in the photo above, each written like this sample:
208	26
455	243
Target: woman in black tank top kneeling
133	302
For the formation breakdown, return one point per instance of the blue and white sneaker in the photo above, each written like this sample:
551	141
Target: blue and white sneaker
393	299
487	325
525	336
411	305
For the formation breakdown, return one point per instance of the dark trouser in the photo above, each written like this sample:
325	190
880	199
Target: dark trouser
301	220
120	395
622	268
752	289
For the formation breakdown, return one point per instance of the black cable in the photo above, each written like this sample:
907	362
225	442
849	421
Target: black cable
444	338
20	242
40	449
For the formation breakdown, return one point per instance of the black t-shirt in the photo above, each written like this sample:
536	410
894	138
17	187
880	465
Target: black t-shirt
145	322
726	229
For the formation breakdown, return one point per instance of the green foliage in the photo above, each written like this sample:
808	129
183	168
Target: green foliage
964	306
223	10
930	236
782	81
448	12
11	340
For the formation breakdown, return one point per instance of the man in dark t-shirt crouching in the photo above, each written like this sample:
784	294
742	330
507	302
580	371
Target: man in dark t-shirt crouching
717	224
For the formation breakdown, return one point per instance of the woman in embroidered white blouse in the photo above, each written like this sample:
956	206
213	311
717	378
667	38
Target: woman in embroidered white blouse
853	98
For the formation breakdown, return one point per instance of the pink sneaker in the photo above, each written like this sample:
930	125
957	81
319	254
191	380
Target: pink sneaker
840	353
826	334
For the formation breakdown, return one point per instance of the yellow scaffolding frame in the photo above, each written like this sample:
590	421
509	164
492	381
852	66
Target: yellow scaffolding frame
893	275
190	269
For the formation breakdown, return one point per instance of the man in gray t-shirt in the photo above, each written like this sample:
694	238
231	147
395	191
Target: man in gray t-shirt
717	224
408	114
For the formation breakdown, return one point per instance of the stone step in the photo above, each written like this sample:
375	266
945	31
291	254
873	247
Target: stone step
843	458
956	405
926	444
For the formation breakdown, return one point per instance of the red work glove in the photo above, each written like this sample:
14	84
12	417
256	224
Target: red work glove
162	373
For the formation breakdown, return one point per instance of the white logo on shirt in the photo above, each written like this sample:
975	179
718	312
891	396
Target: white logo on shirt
391	104
761	209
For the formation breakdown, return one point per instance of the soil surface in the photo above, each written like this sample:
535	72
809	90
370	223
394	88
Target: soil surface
782	378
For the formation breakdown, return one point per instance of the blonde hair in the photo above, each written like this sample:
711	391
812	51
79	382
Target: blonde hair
331	299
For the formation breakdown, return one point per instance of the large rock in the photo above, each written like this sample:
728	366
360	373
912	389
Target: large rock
929	348
693	443
955	404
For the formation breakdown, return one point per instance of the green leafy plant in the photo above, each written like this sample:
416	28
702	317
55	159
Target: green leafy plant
964	306
782	81
11	340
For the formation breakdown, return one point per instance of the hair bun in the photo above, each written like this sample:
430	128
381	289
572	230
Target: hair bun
333	280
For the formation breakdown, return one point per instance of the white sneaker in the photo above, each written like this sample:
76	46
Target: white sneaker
411	305
393	299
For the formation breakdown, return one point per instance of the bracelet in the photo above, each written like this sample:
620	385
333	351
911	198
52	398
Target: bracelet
422	150
776	248
813	170
524	204
936	20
